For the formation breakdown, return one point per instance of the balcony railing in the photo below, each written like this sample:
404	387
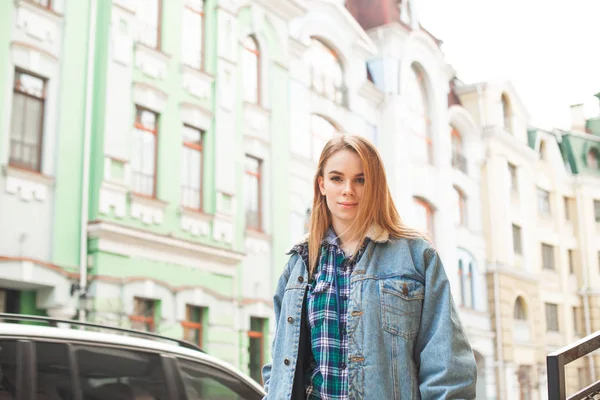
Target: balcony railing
557	361
459	162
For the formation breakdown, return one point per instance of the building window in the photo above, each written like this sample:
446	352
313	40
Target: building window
423	215
517	241
193	34
568	202
148	14
419	118
321	130
542	150
459	161
256	347
513	182
192	326
460	207
519	311
27	122
578	321
543	197
143	158
551	317
144	314
593	159
251	70
326	73
253	188
191	168
466	284
597	210
571	261
507	114
547	256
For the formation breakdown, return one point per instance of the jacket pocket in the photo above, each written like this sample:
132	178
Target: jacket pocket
401	306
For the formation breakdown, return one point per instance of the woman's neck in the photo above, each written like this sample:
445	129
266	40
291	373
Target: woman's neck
348	238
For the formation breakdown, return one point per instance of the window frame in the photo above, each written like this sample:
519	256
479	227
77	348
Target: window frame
188	324
517	250
139	126
258	176
507	114
462	207
544	205
319	47
257	59
188	8
597	210
159	21
257	335
40	136
552	321
429	212
548	257
190	146
423	86
136	318
513	175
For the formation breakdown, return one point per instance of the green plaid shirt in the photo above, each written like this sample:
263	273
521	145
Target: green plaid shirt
327	376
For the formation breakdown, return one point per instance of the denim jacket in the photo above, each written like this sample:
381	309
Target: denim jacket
406	340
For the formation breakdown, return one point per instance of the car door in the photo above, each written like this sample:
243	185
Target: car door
205	381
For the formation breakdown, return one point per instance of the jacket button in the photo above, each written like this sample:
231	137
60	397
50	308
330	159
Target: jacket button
300	279
286	361
290	320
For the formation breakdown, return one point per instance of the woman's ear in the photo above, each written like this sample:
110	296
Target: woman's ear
321	185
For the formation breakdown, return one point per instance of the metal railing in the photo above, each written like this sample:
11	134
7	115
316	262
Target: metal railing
5	317
556	362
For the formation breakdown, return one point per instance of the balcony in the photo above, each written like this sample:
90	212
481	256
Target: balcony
459	161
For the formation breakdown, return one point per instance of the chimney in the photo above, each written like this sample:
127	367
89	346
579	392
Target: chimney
577	118
373	13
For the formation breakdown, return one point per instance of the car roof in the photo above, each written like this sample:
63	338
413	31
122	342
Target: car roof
68	334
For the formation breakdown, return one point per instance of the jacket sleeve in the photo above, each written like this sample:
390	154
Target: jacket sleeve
281	284
447	368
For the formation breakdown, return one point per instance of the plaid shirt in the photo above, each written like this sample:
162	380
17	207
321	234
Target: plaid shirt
327	376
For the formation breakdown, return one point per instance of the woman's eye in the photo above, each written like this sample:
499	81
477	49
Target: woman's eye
336	178
360	180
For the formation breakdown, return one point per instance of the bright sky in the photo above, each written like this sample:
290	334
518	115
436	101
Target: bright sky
547	48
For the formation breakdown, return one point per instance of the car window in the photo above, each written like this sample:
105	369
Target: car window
53	380
8	369
117	374
210	383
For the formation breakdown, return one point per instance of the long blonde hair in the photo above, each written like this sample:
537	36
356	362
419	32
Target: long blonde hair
377	205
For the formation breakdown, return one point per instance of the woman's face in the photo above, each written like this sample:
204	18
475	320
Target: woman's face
343	186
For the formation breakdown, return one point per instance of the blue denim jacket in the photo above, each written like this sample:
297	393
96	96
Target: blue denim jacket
406	340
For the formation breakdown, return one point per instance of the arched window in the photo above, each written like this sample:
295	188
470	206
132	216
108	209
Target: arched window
321	131
593	159
419	118
423	215
460	207
466	279
459	161
251	70
507	114
519	312
326	74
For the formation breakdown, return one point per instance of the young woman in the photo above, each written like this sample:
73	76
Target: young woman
363	307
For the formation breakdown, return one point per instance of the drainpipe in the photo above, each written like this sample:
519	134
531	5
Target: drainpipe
499	350
586	280
85	178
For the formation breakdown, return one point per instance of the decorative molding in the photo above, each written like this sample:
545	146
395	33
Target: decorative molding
146	209
195	222
196	116
113	195
133	242
517	146
151	61
256	121
149	97
257	242
28	184
223	228
197	82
